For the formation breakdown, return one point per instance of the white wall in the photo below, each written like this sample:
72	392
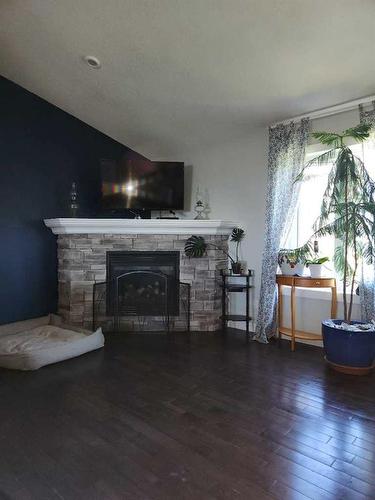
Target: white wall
235	175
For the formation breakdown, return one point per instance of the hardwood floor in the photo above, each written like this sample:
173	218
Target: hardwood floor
148	418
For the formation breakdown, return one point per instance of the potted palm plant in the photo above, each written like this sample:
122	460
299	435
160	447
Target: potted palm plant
196	246
347	213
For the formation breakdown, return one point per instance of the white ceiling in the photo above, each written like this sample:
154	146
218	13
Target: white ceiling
182	75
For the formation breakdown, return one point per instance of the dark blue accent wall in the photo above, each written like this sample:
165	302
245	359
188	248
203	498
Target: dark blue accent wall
42	151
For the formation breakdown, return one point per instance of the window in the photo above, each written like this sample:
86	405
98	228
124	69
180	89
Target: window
310	198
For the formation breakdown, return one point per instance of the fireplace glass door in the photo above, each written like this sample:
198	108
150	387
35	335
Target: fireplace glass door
143	283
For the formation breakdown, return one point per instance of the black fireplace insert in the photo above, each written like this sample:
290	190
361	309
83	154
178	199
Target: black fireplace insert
144	283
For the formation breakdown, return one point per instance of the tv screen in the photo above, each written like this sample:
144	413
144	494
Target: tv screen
142	184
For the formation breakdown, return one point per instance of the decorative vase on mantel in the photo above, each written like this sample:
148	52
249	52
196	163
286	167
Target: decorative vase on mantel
199	210
74	205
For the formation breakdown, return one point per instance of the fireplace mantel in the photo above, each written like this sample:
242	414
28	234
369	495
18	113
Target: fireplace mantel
139	226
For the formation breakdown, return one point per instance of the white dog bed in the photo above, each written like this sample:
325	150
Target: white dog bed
31	344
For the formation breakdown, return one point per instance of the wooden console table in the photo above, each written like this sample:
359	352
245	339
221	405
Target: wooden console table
301	282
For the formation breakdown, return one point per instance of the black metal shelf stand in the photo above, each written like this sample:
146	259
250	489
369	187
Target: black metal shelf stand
237	287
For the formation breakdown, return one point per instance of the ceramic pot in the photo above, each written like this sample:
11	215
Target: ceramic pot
347	351
292	269
316	270
236	267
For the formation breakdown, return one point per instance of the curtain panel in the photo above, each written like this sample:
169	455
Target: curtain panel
367	284
286	153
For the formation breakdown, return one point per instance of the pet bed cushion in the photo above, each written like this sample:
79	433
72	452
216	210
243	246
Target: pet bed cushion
29	345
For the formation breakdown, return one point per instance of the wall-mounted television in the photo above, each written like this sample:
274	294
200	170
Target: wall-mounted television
142	185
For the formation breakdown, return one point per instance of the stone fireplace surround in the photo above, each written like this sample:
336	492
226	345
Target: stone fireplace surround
82	249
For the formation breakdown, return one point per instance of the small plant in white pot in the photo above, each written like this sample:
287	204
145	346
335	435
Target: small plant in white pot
315	266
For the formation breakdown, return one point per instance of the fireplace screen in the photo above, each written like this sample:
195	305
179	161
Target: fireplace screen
143	293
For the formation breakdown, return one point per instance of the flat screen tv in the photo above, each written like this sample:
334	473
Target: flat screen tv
142	185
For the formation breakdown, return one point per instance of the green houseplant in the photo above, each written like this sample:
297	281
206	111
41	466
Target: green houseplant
347	213
292	261
196	246
315	266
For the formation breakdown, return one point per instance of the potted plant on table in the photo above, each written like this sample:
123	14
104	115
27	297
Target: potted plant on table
347	213
292	262
196	246
315	266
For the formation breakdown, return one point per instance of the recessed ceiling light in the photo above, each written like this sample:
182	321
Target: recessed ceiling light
93	62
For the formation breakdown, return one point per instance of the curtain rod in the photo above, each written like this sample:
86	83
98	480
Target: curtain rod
332	110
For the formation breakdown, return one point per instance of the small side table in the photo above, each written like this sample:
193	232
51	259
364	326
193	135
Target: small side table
228	287
301	282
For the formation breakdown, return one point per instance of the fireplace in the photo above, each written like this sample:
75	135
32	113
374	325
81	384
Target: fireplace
83	245
144	283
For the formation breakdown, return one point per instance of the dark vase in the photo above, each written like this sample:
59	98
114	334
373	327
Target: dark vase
347	351
236	267
74	206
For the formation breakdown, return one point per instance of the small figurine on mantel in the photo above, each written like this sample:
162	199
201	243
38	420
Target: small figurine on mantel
201	208
74	205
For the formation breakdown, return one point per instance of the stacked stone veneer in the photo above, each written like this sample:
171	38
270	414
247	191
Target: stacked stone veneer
82	262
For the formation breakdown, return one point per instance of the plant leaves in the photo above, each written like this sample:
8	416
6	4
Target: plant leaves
195	246
237	235
328	138
360	132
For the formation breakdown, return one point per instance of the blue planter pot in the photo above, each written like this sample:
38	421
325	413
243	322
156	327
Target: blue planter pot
350	352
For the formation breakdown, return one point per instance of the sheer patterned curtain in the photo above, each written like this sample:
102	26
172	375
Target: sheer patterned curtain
367	285
286	153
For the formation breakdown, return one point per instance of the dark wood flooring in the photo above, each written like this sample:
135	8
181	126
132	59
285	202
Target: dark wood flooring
147	418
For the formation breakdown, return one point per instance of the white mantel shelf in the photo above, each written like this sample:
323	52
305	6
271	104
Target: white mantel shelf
139	226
